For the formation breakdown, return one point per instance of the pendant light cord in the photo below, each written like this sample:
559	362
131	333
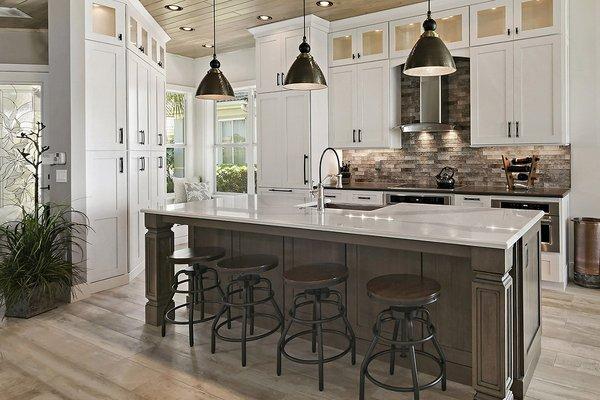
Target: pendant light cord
428	9
214	29
304	15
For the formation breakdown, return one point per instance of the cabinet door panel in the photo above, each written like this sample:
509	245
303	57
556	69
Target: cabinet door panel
492	94
372	43
537	17
342	48
537	90
404	33
297	138
107	212
105	97
269	64
373	104
132	100
152	134
453	27
105	21
139	198
158	182
161	88
143	104
342	107
291	42
492	22
270	138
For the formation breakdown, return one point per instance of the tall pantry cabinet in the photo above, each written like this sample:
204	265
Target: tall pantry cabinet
125	133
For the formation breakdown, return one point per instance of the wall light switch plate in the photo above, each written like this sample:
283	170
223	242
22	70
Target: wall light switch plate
61	176
54	158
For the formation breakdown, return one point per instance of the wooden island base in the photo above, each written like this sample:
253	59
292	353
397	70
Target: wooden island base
487	318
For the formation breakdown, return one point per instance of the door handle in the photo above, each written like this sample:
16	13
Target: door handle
359	135
160	162
509	128
142	137
143	163
121	165
526	255
517	127
353	135
305	173
121	138
160	139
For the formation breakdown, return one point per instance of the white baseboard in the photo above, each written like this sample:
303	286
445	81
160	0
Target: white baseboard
85	290
559	286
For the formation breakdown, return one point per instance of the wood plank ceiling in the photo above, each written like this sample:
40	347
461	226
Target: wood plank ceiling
36	9
234	17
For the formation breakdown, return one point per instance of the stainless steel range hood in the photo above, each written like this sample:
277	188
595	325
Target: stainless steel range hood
433	108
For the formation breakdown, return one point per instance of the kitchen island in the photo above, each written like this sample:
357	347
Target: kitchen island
486	260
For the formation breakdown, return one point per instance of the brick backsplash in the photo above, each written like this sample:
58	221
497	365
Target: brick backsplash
424	154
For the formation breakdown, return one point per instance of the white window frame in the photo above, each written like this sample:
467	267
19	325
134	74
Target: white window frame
188	135
250	145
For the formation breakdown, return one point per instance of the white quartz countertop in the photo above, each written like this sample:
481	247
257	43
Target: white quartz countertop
470	226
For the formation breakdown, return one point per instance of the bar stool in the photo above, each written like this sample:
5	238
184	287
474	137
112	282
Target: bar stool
406	296
316	281
194	276
246	282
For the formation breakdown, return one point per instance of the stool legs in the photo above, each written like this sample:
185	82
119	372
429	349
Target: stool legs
393	352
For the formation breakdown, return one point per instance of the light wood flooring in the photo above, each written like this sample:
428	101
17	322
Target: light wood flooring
100	348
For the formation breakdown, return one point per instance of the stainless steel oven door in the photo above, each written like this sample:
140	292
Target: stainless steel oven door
550	234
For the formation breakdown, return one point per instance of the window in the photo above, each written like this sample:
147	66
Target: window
235	144
20	110
176	137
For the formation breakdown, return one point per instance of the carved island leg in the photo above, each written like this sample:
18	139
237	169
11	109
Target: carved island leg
160	243
492	308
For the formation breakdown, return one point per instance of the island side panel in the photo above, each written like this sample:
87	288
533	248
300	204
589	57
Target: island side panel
160	243
492	325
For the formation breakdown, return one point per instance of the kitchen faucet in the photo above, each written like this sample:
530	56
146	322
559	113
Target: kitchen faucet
318	191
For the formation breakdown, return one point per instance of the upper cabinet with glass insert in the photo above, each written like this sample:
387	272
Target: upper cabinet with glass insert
369	43
105	21
452	26
144	40
506	20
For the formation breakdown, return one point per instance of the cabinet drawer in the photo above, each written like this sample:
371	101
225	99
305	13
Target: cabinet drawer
375	198
336	196
472	200
550	266
282	191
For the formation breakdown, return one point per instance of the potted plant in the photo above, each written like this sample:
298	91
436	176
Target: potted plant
36	267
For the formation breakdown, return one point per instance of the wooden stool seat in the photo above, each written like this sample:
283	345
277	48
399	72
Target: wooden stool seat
404	290
197	254
316	276
249	264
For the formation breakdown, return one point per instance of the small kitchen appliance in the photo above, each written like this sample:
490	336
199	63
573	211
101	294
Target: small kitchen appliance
445	179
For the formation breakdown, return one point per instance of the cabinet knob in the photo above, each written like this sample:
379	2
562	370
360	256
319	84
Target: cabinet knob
353	56
120	36
358	55
508	31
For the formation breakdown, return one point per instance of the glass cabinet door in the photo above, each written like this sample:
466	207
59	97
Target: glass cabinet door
372	42
537	17
342	48
133	33
105	21
453	27
154	50
492	22
144	48
161	57
404	34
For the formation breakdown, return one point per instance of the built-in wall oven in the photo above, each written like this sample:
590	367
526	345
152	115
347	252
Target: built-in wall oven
550	230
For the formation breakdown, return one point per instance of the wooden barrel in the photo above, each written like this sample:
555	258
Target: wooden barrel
587	252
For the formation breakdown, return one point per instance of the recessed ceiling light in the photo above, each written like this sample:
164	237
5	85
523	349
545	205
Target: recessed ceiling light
173	7
324	3
264	17
186	28
208	45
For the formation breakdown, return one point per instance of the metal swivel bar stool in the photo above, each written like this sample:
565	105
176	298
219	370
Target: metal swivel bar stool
406	296
246	282
194	275
316	281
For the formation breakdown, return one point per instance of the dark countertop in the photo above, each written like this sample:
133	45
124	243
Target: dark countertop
470	190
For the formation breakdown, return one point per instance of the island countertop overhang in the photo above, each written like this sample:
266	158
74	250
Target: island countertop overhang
467	226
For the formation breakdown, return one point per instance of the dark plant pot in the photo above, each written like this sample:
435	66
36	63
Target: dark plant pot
37	304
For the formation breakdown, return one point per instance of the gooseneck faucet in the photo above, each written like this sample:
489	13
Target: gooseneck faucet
318	191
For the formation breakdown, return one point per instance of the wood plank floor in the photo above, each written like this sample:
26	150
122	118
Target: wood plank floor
99	348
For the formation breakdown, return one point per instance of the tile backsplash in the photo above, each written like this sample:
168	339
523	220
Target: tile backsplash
424	154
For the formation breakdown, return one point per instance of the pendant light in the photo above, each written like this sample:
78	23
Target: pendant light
305	73
215	86
429	56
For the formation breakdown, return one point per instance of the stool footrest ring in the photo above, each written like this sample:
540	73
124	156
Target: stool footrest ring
315	361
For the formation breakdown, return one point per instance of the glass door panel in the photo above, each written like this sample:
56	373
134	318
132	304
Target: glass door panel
104	20
133	32
144	46
450	28
405	33
154	50
342	48
373	42
492	22
537	14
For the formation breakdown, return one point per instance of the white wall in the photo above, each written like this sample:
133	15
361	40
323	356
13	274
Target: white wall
24	46
238	66
180	70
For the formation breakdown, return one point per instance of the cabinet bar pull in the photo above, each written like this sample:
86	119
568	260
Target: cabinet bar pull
517	30
121	165
508	31
305	173
353	135
278	79
160	162
282	79
160	139
472	199
358	55
509	125
143	162
517	126
364	197
353	56
121	138
359	135
120	36
141	48
281	190
142	137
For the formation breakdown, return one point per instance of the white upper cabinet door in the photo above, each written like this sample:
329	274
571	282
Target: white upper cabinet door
269	64
143	88
404	33
296	109
134	36
343	128
271	149
453	27
342	48
152	134
372	43
538	94
492	94
290	45
373	83
538	17
105	21
492	22
106	97
107	213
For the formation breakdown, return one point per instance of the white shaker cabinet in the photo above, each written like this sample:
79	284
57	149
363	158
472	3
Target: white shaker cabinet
105	21
106	181
156	109
158	180
138	84
359	105
364	44
106	99
140	193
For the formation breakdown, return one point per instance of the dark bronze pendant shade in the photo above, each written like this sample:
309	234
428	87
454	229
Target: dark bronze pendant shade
305	73
429	56
215	85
